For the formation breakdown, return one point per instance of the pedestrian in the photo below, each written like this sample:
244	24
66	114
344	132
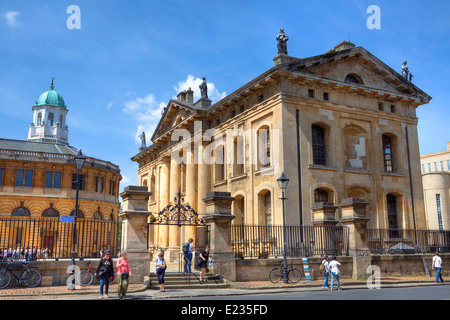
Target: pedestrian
105	272
101	252
123	274
335	272
188	249
203	259
326	272
161	267
437	265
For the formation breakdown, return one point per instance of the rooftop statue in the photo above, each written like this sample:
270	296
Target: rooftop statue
282	38
143	143
204	89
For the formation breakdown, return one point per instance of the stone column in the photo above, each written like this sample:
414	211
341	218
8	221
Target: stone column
174	247
204	180
164	194
354	217
191	191
134	217
218	217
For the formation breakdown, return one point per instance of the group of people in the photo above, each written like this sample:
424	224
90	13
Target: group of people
105	272
24	254
332	268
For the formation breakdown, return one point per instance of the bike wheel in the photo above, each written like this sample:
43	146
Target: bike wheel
31	278
5	279
294	275
86	278
275	275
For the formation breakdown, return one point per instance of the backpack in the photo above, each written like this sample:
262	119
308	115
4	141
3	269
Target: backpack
322	269
186	247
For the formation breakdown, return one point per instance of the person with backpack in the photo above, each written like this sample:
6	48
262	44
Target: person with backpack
188	249
325	270
161	267
105	271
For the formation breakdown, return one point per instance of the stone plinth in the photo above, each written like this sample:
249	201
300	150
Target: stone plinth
324	213
134	231
218	217
354	217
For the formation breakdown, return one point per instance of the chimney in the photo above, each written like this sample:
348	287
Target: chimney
189	96
448	146
182	96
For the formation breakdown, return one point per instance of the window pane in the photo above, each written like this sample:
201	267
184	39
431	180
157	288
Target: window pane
101	185
318	144
28	178
96	184
48	179
387	150
1	176
74	180
19	178
57	180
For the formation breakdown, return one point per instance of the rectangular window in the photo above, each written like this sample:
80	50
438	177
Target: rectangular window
1	176
96	184
57	180
439	212
423	168
429	167
82	181
392	108
318	144
448	164
442	165
380	106
310	93
435	166
387	154
100	187
28	178
19	178
260	98
326	96
48	179
233	113
242	108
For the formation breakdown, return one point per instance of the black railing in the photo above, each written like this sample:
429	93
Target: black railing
404	241
32	238
266	241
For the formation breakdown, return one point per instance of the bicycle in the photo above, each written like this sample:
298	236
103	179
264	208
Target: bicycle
87	276
31	277
276	274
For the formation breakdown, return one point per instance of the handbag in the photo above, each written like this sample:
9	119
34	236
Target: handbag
125	275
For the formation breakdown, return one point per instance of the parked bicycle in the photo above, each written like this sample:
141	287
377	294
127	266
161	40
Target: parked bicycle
87	276
276	274
31	277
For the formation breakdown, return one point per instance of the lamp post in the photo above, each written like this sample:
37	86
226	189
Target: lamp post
79	163
282	183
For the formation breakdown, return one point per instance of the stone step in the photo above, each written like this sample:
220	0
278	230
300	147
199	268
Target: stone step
181	281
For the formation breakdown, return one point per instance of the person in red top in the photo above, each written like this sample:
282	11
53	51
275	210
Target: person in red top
123	274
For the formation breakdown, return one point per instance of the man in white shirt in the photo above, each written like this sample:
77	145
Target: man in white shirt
327	272
437	265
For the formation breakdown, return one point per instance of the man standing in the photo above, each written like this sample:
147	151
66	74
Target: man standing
437	265
188	249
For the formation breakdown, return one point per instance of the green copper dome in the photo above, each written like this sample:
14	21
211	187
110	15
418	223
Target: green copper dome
51	98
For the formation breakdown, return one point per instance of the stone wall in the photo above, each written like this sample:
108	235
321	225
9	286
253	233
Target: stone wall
408	264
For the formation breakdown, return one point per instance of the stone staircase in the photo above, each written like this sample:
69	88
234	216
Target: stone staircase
176	280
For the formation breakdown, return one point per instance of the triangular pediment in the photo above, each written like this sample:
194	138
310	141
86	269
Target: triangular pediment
372	73
174	115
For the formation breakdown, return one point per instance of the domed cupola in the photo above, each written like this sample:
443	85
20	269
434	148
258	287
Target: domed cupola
49	119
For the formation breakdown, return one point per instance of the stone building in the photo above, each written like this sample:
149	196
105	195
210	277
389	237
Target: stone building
340	125
436	188
36	185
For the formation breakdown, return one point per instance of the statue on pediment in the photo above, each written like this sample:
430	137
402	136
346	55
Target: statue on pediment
143	142
282	38
203	89
405	70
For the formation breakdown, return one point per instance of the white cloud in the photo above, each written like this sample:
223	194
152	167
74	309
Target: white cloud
11	18
213	94
109	106
147	111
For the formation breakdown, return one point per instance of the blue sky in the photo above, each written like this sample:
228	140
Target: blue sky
130	57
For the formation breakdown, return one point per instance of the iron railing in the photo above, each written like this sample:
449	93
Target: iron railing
403	241
28	238
266	241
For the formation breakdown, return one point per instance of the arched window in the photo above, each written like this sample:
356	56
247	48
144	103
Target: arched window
50	119
265	207
39	119
263	147
50	212
60	121
387	154
80	214
219	159
355	148
238	153
353	78
239	209
321	195
21	211
318	145
391	202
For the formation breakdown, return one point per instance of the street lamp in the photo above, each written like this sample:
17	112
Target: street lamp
79	160
282	183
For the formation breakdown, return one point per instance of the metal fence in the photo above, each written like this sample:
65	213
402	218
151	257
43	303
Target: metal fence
27	238
266	241
404	241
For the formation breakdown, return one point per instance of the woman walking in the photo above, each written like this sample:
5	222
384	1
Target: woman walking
161	267
123	274
335	272
105	272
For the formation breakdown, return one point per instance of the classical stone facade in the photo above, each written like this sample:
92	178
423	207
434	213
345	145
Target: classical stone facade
36	182
436	188
340	125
